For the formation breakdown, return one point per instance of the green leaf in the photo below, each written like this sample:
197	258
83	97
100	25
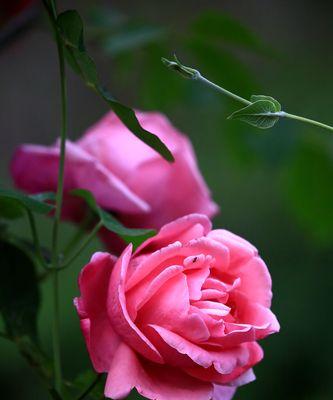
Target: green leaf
107	219
14	201
128	117
257	97
261	114
70	27
19	294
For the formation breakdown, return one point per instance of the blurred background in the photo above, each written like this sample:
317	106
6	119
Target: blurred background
274	187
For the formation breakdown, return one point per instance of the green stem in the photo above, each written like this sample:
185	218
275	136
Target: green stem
194	74
83	245
35	237
220	89
307	121
79	234
52	11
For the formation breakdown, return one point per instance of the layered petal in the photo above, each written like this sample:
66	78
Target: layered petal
156	382
118	313
35	169
101	340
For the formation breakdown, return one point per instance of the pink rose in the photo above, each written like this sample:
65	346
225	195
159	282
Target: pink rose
124	174
180	318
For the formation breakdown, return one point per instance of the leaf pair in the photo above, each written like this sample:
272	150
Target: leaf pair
70	27
263	112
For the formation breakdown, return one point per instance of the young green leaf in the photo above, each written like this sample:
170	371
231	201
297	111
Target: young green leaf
257	97
107	219
70	27
19	294
35	203
261	114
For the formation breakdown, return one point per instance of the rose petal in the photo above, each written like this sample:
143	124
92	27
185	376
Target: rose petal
170	308
157	382
101	340
182	229
223	392
118	314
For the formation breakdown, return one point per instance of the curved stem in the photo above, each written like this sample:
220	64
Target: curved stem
84	244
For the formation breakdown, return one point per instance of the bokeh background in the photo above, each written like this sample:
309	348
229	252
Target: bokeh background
274	187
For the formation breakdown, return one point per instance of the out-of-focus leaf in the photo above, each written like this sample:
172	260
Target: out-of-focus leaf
14	200
108	220
132	38
10	208
309	190
261	114
221	27
221	66
70	26
19	294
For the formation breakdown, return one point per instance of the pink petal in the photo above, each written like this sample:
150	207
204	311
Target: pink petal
182	229
153	381
35	169
138	297
256	282
195	280
244	358
100	338
118	314
224	361
223	392
174	183
170	307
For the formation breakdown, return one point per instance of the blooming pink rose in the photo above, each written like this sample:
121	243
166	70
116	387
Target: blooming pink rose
125	175
180	318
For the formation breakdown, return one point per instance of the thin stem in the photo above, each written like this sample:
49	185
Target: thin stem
194	74
79	234
35	237
90	387
308	121
59	198
220	89
84	244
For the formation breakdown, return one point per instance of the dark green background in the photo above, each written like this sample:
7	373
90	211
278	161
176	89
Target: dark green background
274	187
